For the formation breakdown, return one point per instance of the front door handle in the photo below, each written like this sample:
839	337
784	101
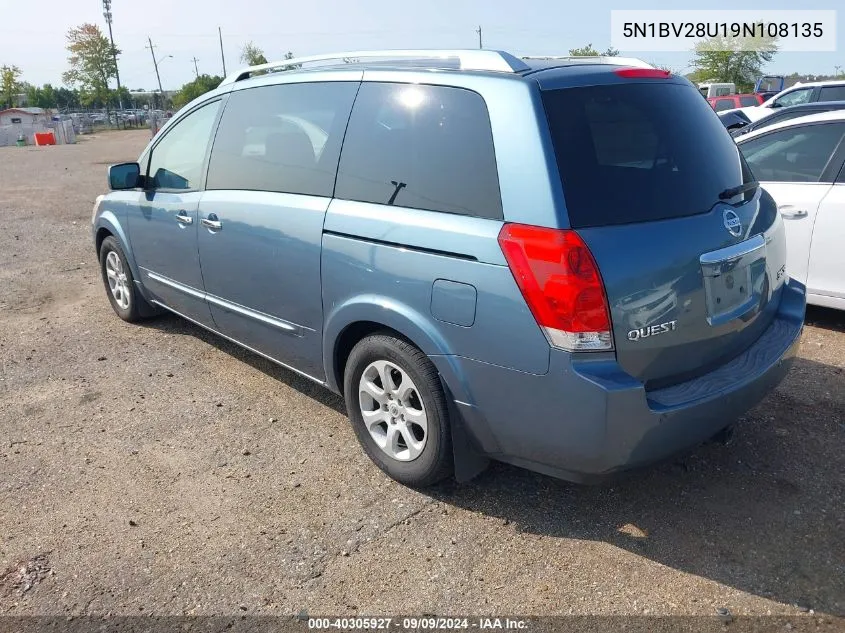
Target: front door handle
183	218
212	223
792	214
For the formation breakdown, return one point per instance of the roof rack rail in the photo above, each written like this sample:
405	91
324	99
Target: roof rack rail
595	59
469	59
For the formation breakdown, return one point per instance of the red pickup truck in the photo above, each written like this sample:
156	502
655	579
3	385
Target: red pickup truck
729	102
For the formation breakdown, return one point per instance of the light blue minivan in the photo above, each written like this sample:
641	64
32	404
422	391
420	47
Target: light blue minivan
560	263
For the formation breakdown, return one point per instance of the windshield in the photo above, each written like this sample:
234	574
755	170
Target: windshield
636	152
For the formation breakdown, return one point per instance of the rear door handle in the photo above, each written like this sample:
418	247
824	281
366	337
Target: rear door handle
211	222
792	214
183	218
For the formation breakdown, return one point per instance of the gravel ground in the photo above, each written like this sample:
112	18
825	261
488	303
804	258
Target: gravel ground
158	469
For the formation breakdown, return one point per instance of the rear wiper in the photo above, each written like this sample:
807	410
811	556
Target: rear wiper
727	194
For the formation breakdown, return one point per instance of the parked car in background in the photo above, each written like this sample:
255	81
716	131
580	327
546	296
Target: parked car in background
800	163
730	102
812	92
712	89
768	86
734	120
603	289
785	114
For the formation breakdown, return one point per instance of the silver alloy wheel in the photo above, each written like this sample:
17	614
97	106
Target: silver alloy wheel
393	410
118	282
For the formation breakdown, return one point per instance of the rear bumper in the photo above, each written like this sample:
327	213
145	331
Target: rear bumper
587	418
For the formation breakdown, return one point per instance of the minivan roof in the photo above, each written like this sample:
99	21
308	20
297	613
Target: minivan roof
456	59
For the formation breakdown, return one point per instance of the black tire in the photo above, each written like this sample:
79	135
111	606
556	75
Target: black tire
137	308
435	462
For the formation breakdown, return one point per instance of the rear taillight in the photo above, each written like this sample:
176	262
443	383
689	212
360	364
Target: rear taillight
643	73
561	284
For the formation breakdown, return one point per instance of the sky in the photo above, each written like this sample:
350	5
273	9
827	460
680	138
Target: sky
183	29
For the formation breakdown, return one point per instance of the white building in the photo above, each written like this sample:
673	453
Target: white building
25	116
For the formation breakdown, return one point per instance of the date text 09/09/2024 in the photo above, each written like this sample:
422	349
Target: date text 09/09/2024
417	624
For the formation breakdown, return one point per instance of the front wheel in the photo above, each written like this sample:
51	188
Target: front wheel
398	410
120	286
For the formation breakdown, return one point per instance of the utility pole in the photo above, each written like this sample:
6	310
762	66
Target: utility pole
478	30
155	64
222	57
196	70
108	16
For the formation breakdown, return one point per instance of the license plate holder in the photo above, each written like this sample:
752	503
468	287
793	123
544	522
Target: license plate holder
734	279
728	291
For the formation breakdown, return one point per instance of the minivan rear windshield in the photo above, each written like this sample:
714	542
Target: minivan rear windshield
637	152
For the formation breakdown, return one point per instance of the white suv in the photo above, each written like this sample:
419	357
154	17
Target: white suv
833	90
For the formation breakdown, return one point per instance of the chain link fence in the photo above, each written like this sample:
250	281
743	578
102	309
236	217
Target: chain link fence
70	125
24	133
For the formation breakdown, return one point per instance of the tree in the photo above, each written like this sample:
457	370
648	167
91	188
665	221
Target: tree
252	55
33	95
589	51
734	60
48	97
92	63
195	88
44	97
89	99
67	99
121	95
289	55
9	76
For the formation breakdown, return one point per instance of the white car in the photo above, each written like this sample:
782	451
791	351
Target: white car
710	89
800	163
833	90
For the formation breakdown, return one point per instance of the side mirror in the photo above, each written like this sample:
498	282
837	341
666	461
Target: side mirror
124	176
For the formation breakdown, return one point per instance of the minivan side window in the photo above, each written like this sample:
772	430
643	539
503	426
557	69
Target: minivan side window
284	138
797	154
176	160
748	101
424	147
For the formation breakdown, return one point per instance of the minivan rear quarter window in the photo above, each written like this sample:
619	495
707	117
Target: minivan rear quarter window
636	152
418	146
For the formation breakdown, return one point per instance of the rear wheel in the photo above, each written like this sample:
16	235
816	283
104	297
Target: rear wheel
120	286
398	410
